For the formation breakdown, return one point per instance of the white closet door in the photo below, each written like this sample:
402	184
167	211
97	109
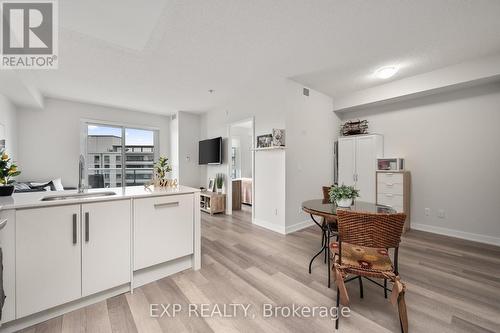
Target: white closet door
366	157
347	165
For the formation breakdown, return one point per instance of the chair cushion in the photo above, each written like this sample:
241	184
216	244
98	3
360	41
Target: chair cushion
363	258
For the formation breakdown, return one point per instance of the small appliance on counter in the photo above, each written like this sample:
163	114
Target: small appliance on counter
390	164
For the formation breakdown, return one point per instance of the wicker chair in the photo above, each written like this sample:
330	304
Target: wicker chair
362	251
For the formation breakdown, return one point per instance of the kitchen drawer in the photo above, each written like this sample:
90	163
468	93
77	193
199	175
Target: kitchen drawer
390	187
163	229
393	200
390	177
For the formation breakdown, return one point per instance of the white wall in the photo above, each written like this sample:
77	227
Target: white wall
49	139
8	118
174	146
283	178
451	144
311	129
189	136
266	102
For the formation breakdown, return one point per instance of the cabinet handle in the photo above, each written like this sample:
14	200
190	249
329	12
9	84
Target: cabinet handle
74	228
87	227
390	184
167	205
3	224
388	195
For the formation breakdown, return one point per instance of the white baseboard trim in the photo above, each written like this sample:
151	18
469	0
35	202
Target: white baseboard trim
284	230
270	226
299	226
457	234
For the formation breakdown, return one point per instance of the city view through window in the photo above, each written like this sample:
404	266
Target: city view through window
119	156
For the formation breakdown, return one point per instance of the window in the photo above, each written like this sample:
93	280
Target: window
138	148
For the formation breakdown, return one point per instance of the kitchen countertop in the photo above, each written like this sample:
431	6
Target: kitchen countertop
33	199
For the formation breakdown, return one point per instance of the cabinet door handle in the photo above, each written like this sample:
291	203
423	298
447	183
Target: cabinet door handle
390	184
87	218
167	205
74	228
389	195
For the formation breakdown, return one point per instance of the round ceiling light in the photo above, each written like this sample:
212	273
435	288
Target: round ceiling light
386	72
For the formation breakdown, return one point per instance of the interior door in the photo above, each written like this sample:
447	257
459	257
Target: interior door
106	238
366	158
347	164
48	264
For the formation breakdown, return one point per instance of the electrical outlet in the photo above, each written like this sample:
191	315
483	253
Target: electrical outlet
441	214
427	211
276	211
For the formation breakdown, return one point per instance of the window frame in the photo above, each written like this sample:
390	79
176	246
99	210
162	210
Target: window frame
84	123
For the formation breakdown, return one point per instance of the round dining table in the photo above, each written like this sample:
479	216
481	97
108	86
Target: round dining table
328	212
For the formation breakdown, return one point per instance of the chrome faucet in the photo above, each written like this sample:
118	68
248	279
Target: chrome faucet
81	166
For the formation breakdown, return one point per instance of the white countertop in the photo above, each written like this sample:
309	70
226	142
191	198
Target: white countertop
33	199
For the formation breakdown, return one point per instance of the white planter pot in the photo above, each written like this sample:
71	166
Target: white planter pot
345	203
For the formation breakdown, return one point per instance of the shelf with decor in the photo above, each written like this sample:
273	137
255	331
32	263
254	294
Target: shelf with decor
269	148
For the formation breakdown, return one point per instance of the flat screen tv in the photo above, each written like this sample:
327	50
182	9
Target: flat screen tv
210	151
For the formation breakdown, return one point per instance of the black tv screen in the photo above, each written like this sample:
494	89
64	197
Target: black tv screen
210	151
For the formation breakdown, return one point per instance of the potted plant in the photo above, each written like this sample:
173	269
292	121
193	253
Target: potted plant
162	171
8	170
343	195
219	182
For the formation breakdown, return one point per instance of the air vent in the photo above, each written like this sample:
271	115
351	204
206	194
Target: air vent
305	91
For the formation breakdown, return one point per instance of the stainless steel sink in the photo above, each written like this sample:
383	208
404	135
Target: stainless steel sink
77	196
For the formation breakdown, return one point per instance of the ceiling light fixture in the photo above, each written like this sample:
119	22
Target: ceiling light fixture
386	72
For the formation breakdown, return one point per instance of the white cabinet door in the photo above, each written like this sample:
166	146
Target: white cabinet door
48	258
163	229
366	159
8	245
106	238
347	166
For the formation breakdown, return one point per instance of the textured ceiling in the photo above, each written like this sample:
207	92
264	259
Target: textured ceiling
162	56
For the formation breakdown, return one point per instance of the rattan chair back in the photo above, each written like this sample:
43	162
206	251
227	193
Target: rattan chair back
370	229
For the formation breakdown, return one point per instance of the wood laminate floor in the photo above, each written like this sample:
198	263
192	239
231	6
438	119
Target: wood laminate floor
453	286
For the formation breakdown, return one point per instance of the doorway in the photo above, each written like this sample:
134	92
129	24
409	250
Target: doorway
240	171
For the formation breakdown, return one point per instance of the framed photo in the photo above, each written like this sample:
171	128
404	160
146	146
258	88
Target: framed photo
211	185
264	141
278	137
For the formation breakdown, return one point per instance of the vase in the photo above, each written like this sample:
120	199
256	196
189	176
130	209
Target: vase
6	190
219	190
344	203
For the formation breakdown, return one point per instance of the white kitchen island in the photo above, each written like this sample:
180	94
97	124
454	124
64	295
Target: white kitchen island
61	255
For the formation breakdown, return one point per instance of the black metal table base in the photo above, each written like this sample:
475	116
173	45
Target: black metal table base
325	245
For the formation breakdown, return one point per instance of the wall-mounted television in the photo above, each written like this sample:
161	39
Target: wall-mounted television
210	151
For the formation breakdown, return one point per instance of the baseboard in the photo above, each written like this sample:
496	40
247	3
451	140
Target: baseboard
299	226
157	272
270	226
457	234
283	229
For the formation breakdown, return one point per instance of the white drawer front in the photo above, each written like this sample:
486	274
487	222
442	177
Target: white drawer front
390	178
390	188
393	200
163	229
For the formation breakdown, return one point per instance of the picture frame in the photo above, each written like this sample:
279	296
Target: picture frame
264	141
211	185
278	137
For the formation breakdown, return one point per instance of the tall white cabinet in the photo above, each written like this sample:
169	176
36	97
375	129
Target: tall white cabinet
358	163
